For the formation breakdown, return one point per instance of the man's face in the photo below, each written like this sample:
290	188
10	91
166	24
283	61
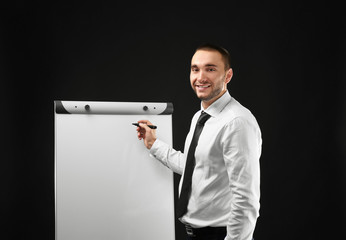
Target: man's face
208	76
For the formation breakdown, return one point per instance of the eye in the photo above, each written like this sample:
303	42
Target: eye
211	69
194	69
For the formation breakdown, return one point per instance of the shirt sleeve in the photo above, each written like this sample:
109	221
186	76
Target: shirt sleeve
175	160
242	149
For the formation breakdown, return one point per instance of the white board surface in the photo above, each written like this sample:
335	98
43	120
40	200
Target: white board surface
107	185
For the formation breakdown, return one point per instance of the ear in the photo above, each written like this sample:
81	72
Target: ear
229	75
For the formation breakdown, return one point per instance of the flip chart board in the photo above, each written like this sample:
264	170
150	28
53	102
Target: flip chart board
106	184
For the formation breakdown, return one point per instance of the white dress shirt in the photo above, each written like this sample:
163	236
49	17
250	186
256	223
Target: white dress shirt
226	180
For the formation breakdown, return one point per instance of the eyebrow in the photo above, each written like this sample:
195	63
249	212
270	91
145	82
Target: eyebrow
206	65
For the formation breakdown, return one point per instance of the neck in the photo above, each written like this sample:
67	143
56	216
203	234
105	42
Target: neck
206	104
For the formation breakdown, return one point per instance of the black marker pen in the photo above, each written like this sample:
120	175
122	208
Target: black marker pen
151	126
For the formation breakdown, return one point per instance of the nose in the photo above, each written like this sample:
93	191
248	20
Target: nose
201	76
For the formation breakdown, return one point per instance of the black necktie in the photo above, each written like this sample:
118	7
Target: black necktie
189	166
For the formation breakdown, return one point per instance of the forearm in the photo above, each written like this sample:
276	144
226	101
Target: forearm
168	156
242	220
245	201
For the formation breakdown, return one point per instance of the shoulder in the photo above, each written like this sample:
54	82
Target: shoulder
235	109
235	114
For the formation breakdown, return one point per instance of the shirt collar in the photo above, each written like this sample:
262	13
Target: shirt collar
216	107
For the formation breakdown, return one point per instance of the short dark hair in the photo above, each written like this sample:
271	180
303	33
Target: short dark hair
225	54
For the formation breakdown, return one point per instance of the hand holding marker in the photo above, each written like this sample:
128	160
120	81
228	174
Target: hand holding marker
151	126
145	108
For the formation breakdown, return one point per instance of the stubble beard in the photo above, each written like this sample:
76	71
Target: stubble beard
211	96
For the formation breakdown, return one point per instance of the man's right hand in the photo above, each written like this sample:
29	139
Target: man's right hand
147	134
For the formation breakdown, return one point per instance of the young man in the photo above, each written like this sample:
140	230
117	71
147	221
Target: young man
220	184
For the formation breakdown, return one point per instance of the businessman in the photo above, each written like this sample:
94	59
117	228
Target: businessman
219	191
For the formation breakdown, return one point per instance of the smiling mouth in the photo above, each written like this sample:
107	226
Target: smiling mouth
202	86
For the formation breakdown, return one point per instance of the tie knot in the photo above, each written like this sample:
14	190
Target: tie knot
203	118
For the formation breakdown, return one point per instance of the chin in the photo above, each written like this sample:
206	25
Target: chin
204	97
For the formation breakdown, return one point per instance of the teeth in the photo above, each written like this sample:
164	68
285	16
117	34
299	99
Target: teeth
204	86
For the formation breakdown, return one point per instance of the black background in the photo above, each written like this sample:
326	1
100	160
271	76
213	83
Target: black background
289	70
